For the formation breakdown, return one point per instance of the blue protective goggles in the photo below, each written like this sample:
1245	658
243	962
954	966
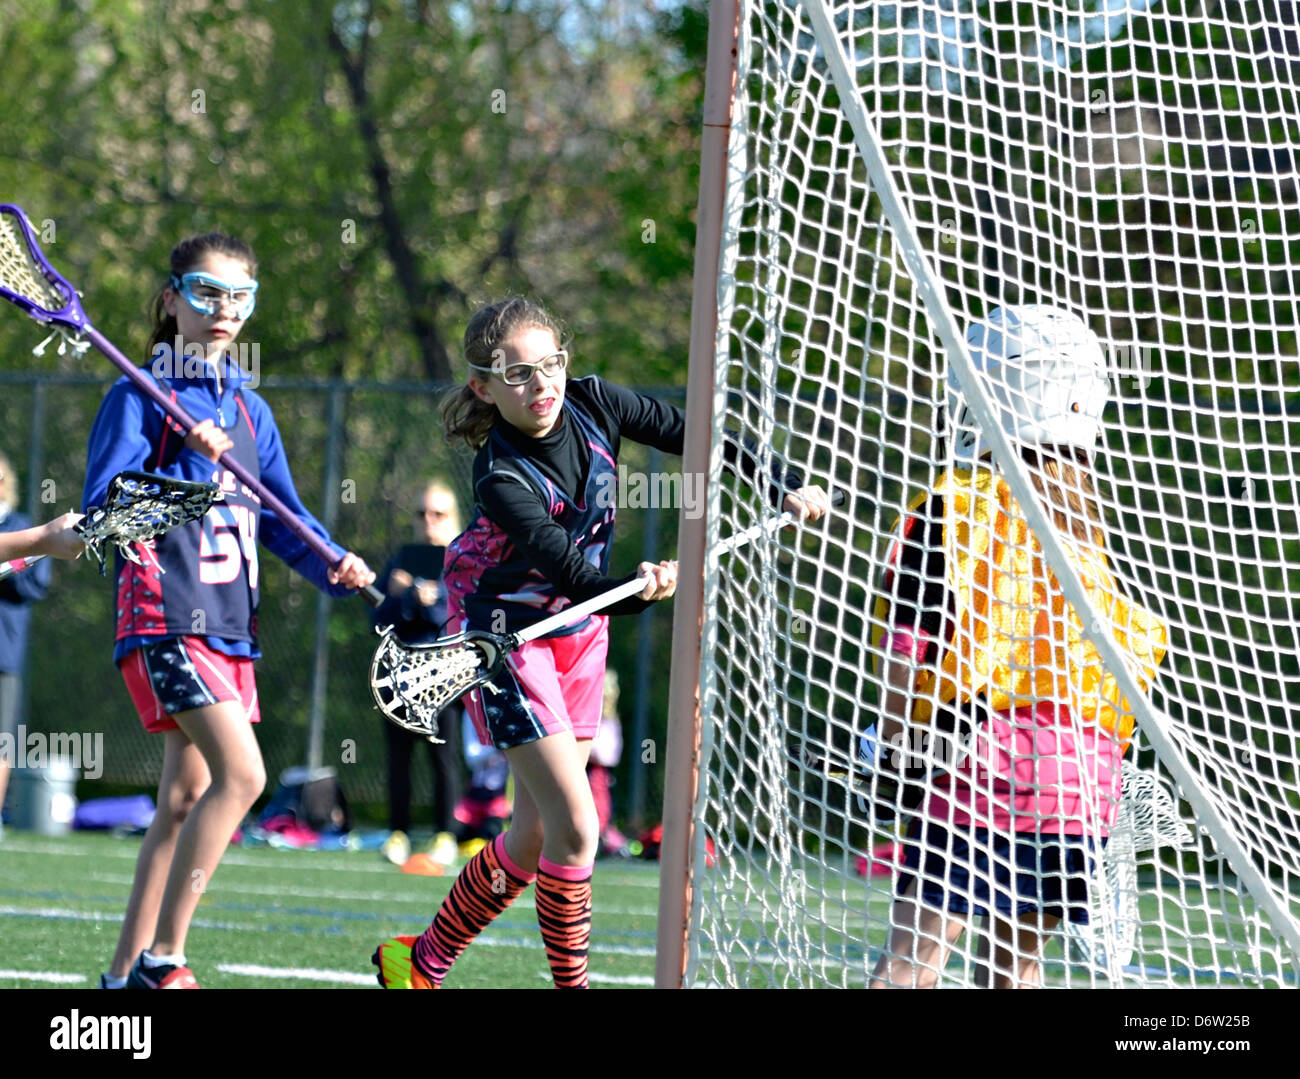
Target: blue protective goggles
208	294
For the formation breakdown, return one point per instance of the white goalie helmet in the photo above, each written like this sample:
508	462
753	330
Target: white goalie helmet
1046	373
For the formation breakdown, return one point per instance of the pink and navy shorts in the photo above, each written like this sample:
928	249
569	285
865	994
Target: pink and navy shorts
549	685
179	674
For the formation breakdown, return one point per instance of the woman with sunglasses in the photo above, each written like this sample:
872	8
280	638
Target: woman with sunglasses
415	603
187	615
540	540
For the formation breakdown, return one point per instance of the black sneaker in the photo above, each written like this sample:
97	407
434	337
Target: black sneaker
160	977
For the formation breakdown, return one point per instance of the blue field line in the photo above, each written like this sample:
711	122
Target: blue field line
1058	967
401	919
429	900
1202	974
503	924
615	872
494	936
62	897
600	947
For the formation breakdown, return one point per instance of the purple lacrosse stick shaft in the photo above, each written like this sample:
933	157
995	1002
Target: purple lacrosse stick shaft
290	520
72	315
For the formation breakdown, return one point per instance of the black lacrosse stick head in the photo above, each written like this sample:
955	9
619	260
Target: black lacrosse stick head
140	506
413	683
28	280
884	793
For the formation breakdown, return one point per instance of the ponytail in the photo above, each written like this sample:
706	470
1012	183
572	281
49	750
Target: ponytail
467	418
1064	484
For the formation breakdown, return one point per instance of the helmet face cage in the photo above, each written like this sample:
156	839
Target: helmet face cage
963	430
1046	374
207	294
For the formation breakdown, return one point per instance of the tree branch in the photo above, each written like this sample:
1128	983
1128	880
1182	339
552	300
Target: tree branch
420	298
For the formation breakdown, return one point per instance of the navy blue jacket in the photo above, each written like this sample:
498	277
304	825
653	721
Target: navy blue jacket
128	432
17	594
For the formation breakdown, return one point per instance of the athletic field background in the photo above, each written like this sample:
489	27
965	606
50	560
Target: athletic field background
292	919
276	918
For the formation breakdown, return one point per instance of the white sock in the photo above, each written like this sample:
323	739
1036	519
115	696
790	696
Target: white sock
107	981
151	960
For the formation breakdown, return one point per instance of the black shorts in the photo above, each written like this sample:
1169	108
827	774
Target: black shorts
1053	873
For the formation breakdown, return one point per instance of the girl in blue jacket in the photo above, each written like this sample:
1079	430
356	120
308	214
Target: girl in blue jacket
187	615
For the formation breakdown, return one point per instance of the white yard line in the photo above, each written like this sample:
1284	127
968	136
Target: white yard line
41	976
301	974
314	861
613	979
486	941
232	891
234	858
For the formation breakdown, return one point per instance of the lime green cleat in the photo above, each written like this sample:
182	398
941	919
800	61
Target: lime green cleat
396	970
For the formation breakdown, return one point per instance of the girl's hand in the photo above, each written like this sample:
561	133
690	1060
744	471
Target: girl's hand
58	539
210	440
808	503
664	583
352	572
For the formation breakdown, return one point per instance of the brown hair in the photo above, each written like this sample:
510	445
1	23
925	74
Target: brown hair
1063	480
465	416
185	255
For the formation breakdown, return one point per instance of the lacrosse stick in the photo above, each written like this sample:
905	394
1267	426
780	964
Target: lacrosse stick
29	281
1148	819
413	683
138	508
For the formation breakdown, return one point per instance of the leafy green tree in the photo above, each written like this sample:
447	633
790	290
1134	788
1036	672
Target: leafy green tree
393	163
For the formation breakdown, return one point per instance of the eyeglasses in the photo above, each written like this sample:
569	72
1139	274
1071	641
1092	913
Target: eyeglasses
435	514
208	294
520	374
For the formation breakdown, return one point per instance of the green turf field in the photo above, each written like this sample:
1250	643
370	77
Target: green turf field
286	919
282	918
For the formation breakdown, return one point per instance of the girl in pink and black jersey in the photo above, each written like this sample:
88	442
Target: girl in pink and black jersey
186	632
988	671
545	479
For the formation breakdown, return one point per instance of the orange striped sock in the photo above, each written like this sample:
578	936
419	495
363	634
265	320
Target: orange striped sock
564	915
488	884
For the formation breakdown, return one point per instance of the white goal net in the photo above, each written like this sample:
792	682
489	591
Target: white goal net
896	172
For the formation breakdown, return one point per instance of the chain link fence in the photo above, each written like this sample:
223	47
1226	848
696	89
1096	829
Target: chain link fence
360	455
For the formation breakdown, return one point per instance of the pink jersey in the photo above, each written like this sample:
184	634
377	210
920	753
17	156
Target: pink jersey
1030	770
1033	771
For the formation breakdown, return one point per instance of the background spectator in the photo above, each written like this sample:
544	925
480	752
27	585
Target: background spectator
416	605
17	594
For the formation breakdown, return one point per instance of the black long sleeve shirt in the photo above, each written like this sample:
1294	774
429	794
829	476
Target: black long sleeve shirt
564	457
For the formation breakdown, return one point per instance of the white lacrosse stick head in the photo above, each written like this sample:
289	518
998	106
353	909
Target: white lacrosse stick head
1046	373
412	684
